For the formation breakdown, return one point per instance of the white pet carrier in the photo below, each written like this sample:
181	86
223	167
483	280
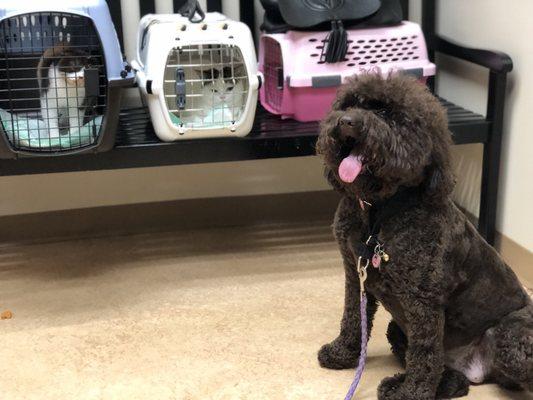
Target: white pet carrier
61	74
200	80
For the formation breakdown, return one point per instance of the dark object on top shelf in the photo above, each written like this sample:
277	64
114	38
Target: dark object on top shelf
314	15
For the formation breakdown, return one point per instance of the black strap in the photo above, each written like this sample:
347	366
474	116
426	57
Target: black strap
190	9
401	201
336	44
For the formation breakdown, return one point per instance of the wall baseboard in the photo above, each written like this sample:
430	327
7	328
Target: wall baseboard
168	216
203	213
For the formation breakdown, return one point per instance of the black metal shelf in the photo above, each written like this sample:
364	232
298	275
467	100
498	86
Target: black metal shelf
137	145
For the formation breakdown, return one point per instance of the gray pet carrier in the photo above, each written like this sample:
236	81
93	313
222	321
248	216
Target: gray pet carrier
61	77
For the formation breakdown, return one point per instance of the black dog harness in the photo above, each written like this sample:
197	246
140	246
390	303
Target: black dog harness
369	249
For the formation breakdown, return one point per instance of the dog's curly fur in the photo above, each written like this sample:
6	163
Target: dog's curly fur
455	304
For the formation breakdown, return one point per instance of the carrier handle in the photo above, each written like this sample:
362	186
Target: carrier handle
181	98
190	9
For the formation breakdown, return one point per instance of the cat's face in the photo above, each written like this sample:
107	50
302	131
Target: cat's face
64	62
223	88
73	64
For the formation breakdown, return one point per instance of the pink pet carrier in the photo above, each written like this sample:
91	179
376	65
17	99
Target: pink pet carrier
299	84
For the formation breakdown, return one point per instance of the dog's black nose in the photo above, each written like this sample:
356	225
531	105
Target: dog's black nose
346	125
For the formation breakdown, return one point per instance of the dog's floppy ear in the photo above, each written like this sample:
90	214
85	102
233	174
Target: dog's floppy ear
439	182
333	181
440	179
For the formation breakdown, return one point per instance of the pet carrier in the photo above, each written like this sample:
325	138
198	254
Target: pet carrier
61	74
200	80
300	84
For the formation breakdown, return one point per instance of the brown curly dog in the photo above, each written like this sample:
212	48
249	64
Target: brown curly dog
459	314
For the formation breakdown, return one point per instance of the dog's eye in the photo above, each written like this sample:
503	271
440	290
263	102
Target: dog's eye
381	112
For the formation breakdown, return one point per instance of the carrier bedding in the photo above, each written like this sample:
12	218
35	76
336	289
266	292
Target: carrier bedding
30	133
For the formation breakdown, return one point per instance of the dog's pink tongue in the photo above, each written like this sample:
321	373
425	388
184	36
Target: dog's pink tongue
349	168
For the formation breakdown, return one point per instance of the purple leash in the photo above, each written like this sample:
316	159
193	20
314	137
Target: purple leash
364	333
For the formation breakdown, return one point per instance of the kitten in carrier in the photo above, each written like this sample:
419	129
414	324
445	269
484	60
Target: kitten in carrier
61	76
223	94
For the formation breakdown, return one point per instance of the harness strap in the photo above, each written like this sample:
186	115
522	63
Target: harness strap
402	200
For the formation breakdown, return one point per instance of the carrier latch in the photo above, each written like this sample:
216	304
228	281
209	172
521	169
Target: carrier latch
92	82
281	77
180	88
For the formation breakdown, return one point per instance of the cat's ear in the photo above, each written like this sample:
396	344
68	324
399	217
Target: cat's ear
226	73
204	74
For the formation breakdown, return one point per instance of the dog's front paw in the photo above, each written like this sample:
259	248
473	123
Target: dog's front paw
395	388
336	355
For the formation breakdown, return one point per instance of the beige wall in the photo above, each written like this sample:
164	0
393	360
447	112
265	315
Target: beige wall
484	23
37	193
